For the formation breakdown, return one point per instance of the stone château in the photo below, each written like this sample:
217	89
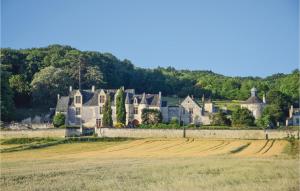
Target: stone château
86	107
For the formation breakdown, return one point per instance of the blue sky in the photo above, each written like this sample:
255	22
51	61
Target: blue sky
232	37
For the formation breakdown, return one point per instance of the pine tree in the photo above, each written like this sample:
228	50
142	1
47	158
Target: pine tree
120	106
107	112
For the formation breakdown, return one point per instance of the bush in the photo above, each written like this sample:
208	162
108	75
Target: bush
59	120
119	125
151	116
174	120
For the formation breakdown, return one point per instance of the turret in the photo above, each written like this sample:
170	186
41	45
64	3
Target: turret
143	101
127	108
127	101
253	92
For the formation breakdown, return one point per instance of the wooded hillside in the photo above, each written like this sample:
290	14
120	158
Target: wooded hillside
35	76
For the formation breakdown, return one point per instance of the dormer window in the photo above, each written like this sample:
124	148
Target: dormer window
78	99
101	99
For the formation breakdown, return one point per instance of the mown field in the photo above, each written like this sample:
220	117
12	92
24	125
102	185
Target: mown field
151	164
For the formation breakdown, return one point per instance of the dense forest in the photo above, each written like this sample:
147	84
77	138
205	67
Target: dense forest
33	77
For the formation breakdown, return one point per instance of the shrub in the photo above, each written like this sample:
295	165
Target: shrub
151	116
59	120
220	118
174	120
119	125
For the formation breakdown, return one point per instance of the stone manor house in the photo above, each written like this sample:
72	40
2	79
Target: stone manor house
86	107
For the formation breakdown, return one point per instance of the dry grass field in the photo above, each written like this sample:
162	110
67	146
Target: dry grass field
154	164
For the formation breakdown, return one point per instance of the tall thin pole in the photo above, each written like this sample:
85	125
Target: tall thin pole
79	80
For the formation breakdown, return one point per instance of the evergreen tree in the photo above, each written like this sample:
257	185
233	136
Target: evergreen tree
107	112
6	94
120	106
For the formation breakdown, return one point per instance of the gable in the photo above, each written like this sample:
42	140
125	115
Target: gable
188	102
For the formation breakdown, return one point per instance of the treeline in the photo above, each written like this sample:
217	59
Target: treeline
33	77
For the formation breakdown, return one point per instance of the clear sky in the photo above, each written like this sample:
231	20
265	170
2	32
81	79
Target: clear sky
230	37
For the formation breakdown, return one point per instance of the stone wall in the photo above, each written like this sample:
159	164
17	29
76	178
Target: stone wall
148	133
33	133
207	134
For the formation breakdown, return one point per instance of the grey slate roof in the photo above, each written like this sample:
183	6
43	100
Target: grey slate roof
62	104
253	100
91	98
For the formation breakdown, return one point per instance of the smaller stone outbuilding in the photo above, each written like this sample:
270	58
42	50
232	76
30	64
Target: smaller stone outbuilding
294	117
254	104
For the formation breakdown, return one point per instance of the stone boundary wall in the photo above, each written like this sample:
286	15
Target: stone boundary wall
33	133
208	134
152	133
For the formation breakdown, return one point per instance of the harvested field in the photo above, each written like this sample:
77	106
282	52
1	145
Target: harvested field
153	164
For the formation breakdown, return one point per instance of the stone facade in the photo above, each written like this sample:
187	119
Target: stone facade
294	117
254	104
86	107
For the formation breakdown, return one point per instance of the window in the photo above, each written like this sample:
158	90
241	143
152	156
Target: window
191	111
135	101
102	99
98	123
77	110
136	111
100	110
78	99
183	111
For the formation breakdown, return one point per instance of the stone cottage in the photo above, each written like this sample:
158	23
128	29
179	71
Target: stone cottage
294	117
86	107
254	104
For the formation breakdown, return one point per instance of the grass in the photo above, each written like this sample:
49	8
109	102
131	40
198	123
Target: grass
154	164
19	144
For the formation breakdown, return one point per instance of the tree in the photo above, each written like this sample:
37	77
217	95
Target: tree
280	101
7	103
220	119
242	117
270	116
47	83
120	106
107	113
21	90
59	120
151	116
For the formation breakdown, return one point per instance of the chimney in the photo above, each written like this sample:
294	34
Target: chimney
159	98
264	98
93	88
58	96
291	111
70	88
192	96
203	98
